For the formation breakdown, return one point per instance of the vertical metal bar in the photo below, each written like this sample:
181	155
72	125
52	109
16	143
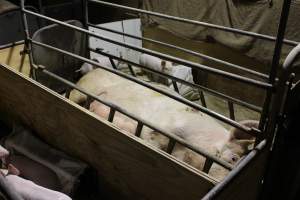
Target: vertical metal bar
275	62
85	16
139	129
202	98
111	114
27	41
88	101
231	110
207	165
131	70
112	63
171	145
175	86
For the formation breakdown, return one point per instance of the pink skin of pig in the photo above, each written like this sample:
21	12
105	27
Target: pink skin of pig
25	188
193	126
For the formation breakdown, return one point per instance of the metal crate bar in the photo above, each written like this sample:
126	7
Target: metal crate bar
168	94
213	193
11	44
148	124
275	61
200	87
188	21
203	56
193	65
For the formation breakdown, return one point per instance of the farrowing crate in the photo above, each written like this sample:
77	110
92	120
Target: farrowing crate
126	163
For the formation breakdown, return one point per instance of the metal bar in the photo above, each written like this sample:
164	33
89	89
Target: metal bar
235	173
113	64
27	43
231	110
276	59
11	44
132	116
193	65
202	99
212	92
206	57
207	165
171	146
131	70
168	94
194	22
139	129
175	86
111	114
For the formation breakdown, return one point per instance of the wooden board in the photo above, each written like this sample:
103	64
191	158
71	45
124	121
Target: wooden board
124	162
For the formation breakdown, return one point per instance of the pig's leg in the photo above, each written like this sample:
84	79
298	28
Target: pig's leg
120	120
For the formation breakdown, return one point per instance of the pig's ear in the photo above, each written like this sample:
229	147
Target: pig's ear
246	144
241	135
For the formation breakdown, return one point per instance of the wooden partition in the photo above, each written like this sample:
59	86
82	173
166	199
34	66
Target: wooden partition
124	163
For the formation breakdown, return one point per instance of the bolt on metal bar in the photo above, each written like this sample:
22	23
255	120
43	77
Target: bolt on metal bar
194	22
193	65
199	87
235	173
132	116
203	56
276	59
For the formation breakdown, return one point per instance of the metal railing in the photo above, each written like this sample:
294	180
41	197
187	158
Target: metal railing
210	159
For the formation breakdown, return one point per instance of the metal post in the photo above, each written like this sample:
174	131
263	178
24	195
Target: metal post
275	64
27	42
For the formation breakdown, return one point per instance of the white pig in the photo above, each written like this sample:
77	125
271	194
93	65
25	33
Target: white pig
158	65
174	117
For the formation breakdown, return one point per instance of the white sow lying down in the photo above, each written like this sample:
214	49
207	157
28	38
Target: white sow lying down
28	190
173	117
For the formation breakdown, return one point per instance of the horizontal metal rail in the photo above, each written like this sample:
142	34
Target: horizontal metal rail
11	44
193	65
180	99
194	22
213	193
134	117
203	56
193	85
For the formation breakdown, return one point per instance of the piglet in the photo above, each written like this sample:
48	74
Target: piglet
31	191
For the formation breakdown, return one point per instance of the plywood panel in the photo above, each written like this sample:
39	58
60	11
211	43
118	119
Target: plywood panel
123	162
